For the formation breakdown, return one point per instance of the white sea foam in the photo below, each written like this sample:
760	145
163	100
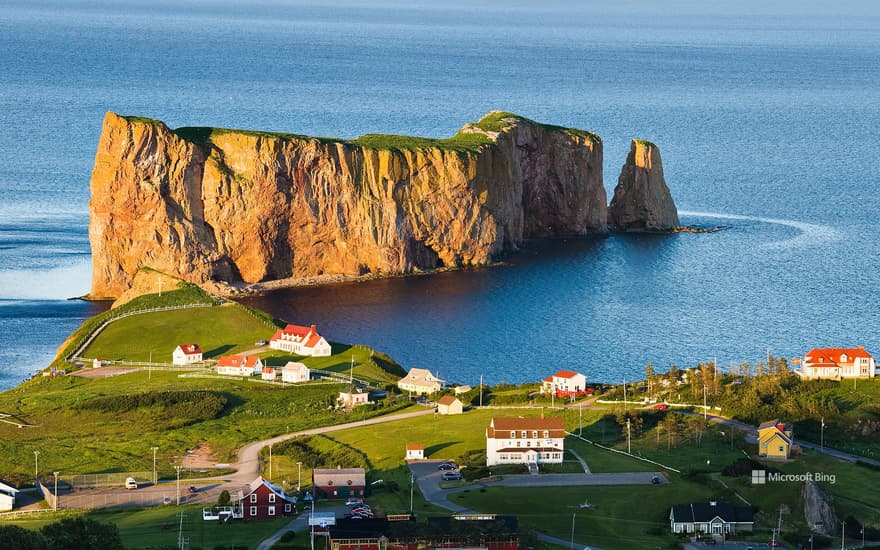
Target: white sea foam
57	283
810	234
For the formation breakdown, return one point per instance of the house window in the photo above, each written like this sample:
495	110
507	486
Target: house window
253	510
781	449
519	443
271	497
546	434
287	507
253	498
271	510
535	434
524	434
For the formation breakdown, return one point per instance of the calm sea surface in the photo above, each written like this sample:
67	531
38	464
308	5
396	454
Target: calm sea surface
767	124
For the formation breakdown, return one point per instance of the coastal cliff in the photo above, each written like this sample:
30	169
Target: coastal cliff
226	208
642	201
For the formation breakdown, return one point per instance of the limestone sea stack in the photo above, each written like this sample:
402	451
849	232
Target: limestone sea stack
227	208
642	201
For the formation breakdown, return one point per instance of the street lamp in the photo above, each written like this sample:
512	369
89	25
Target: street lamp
155	479
822	435
298	475
177	469
36	465
55	500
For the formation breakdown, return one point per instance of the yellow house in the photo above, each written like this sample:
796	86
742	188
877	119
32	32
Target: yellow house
774	440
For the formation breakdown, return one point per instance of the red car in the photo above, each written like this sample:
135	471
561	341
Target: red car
661	406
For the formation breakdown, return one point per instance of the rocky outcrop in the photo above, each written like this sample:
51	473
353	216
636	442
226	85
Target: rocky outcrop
818	510
641	200
228	207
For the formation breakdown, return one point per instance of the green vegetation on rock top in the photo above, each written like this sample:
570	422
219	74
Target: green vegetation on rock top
496	121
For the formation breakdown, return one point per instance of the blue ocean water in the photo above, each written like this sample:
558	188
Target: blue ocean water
767	121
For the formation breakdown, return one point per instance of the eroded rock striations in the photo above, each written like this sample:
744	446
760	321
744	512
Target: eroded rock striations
819	509
641	200
228	207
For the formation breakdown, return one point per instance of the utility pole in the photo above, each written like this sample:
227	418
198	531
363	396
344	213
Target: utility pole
779	523
842	536
811	542
628	446
822	435
155	478
412	482
705	408
177	469
181	542
572	532
36	465
55	500
580	419
270	462
625	405
298	475
481	390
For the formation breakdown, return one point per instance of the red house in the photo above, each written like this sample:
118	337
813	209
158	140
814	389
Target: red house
263	500
339	483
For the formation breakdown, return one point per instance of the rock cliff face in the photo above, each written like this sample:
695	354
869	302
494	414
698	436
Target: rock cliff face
818	509
642	201
227	207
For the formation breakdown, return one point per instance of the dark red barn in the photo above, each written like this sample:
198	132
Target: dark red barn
263	500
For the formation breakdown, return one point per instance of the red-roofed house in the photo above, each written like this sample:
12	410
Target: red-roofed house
239	365
565	383
529	441
269	373
186	354
263	500
837	363
415	451
301	341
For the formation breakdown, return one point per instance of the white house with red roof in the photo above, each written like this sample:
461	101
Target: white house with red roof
239	365
837	363
531	441
301	341
565	383
269	373
186	354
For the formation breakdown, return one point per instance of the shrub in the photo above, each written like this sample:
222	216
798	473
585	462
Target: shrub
224	498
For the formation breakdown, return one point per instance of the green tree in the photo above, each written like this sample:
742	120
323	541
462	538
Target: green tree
650	377
14	536
81	534
224	498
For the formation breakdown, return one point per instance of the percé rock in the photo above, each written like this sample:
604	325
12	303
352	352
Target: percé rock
818	510
230	207
642	201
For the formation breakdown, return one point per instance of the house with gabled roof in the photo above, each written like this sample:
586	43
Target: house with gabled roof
301	341
711	518
449	405
415	451
7	497
294	372
565	383
336	483
186	354
268	373
260	499
530	441
837	363
420	381
775	440
239	365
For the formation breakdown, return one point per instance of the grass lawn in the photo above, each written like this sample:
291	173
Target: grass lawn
218	330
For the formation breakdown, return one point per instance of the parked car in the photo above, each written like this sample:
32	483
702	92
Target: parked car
656	480
661	406
447	466
193	489
131	483
354	501
451	476
260	343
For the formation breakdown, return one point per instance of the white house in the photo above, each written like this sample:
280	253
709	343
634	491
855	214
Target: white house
7	497
415	451
295	372
837	363
301	341
186	354
449	405
420	381
565	382
529	441
711	518
352	399
268	373
239	365
459	390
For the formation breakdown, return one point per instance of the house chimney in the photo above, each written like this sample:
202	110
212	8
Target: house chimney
314	328
780	427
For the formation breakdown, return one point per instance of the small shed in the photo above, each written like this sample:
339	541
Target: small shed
7	497
415	451
449	405
352	399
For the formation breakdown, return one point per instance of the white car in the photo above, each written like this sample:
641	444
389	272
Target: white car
131	483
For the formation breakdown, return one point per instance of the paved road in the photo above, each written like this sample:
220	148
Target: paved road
209	488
